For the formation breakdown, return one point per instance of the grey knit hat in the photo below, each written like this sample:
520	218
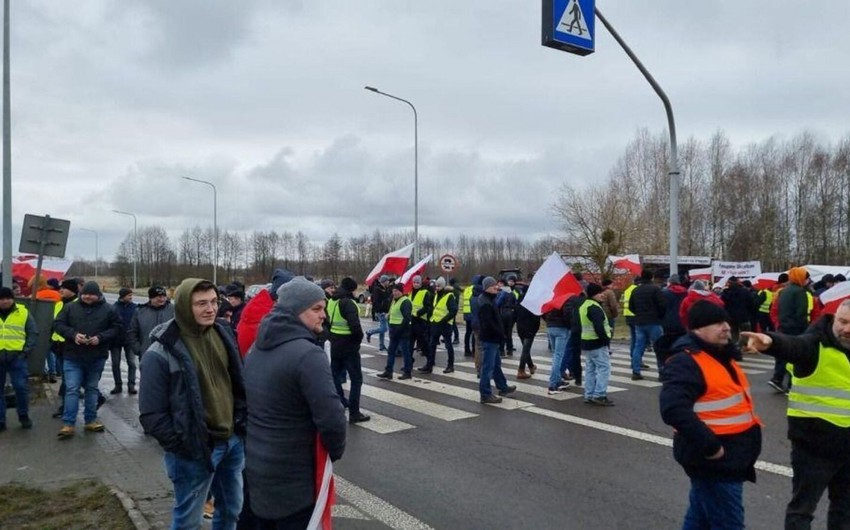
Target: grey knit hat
299	294
488	282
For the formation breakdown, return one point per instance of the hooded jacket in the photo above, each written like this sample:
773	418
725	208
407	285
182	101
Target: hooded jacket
171	406
740	303
693	442
489	320
647	303
793	303
257	308
291	398
674	295
97	319
803	352
147	318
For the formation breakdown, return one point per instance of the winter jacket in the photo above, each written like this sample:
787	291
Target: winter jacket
683	384
598	320
673	297
291	398
97	319
739	303
258	307
693	297
527	323
125	311
489	320
793	306
609	303
647	303
381	298
474	304
146	319
345	344
803	352
559	318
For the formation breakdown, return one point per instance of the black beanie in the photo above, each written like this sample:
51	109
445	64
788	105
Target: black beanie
124	291
705	313
6	292
71	285
348	284
593	289
91	287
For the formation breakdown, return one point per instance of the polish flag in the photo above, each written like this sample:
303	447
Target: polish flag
765	280
393	263
325	490
418	269
832	297
630	262
24	265
703	274
552	285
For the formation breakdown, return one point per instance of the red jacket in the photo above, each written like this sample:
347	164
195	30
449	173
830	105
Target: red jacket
693	297
256	308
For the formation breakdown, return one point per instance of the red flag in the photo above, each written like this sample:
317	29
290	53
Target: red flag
23	269
393	263
325	494
630	263
552	285
765	280
417	270
832	297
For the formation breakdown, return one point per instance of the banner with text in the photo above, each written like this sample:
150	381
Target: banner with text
741	269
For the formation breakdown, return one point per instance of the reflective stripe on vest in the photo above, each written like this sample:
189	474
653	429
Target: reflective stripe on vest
627	294
56	309
13	330
467	300
726	407
768	299
588	332
339	326
441	308
396	317
824	394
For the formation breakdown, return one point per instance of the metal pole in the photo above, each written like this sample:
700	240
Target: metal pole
215	225
135	243
673	173
415	169
7	154
95	248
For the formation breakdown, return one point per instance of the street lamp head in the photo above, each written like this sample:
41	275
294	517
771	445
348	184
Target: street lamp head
373	89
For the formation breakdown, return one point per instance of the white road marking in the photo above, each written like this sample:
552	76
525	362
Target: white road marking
642	436
541	377
435	410
382	424
376	507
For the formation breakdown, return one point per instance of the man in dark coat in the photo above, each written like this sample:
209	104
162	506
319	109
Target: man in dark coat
88	326
193	402
647	304
527	326
126	309
492	334
739	304
400	313
156	311
293	408
346	333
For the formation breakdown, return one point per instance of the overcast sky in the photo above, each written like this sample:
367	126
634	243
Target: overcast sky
114	100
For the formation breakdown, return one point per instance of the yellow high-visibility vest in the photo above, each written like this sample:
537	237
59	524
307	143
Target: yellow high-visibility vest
441	308
56	309
627	294
396	317
13	330
768	299
825	394
339	325
467	300
588	332
419	301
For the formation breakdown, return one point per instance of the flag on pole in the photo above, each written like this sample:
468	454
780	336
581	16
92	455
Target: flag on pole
24	265
832	297
765	280
630	262
703	274
417	270
552	285
325	490
393	263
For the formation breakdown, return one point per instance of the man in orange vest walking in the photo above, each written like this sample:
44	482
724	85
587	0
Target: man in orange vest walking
706	398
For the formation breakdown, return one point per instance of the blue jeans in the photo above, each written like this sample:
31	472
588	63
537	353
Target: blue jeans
406	352
597	370
16	367
348	363
491	368
50	361
644	335
380	330
81	373
192	480
558	337
715	505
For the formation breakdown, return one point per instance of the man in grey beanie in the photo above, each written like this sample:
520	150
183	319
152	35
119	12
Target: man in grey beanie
291	399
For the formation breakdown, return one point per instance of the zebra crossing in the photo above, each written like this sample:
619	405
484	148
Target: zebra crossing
407	404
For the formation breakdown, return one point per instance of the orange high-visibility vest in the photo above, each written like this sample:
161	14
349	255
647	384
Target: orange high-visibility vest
726	407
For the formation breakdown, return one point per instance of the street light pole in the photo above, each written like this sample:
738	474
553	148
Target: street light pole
95	248
215	225
415	168
135	243
7	155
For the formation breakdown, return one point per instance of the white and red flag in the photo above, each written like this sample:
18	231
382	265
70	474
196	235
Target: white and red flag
325	489
552	285
832	297
765	280
393	263
417	270
703	274
630	262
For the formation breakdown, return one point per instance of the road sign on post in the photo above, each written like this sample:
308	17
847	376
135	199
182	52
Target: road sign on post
44	236
448	263
569	25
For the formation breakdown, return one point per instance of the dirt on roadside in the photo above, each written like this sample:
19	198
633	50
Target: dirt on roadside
80	505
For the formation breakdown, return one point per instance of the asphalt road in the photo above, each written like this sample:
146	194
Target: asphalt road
434	457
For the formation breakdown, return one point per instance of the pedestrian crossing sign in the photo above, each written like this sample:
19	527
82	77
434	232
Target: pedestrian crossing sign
568	25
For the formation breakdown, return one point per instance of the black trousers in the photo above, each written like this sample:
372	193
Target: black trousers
813	474
468	337
525	356
296	521
508	322
444	331
419	338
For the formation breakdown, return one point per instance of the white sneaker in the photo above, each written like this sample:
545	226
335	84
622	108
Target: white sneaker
553	392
